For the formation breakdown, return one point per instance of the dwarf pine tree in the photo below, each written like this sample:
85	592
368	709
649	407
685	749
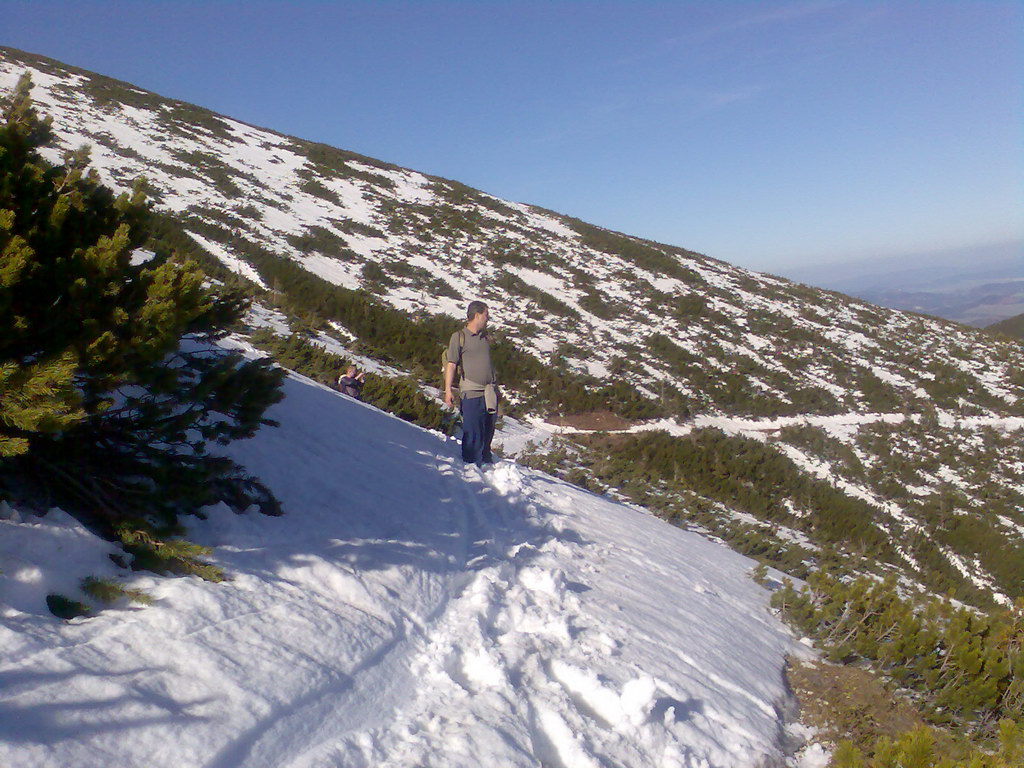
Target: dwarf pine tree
111	386
37	397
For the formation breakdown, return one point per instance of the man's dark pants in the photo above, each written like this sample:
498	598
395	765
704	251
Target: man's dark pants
477	431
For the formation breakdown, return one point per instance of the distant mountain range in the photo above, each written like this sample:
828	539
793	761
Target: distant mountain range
978	286
794	422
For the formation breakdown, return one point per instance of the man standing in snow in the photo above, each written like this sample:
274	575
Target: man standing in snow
469	358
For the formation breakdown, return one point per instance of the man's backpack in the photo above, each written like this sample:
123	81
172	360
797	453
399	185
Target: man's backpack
458	366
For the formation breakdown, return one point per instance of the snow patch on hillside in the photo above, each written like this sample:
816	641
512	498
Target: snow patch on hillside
229	260
344	273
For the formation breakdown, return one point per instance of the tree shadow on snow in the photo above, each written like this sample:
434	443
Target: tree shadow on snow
65	717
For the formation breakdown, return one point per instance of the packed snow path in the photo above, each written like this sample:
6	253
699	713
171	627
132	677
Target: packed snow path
405	611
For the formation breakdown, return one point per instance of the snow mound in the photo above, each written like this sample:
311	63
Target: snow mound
405	611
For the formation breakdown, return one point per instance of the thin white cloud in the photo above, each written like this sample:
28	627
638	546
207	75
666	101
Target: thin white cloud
763	18
608	114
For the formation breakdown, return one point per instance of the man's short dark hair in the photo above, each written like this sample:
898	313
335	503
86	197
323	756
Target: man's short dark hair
474	309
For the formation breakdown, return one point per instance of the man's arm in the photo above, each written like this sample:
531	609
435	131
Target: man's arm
449	376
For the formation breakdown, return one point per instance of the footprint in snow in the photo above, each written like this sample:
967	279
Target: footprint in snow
705	590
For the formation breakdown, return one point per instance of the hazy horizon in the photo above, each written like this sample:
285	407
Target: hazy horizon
1008	254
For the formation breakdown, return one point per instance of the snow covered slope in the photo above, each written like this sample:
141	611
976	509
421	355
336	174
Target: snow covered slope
405	611
694	333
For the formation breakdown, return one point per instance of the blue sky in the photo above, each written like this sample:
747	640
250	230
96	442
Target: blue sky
767	134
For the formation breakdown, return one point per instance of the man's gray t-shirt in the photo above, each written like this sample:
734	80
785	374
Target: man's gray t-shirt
476	359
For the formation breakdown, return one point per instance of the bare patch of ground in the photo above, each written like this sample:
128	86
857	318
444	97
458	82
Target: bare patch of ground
594	420
843	702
